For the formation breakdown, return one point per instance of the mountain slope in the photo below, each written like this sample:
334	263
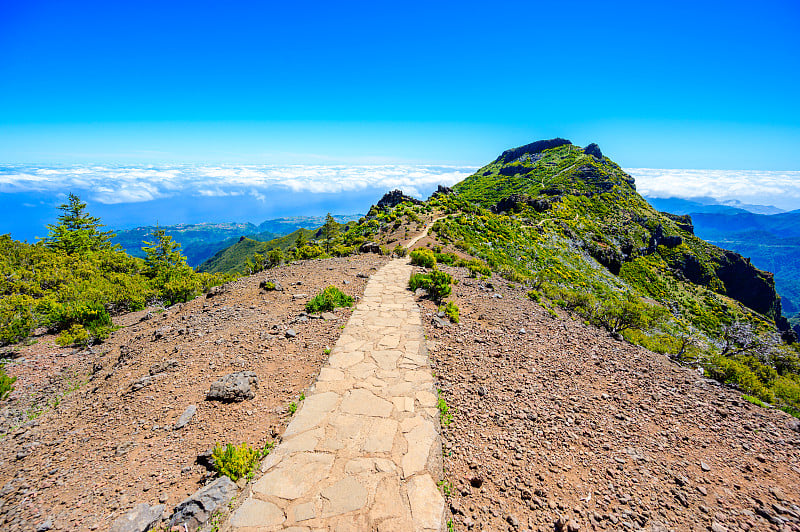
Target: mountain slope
233	259
589	201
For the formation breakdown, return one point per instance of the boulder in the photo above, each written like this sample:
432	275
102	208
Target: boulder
198	507
442	191
141	519
233	388
369	247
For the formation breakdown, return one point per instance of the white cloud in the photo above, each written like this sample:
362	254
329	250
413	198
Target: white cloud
129	184
779	188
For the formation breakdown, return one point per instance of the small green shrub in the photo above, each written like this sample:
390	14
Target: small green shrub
269	286
446	258
329	299
423	257
309	251
445	414
534	295
630	313
436	283
6	383
274	258
451	311
755	400
16	318
292	407
237	462
476	267
75	335
400	251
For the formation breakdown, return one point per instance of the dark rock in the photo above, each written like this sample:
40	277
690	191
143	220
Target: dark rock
513	203
593	150
161	367
215	291
235	387
369	247
532	148
683	221
476	481
187	416
394	198
514	169
197	508
206	459
442	191
141	519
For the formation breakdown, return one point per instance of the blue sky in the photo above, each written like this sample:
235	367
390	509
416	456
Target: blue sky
656	84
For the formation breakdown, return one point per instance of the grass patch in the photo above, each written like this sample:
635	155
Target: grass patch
237	462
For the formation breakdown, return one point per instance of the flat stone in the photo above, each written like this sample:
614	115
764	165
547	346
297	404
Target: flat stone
255	512
380	438
344	496
330	374
427	504
403	404
386	359
366	403
389	500
187	416
143	517
313	411
345	359
304	512
420	439
295	476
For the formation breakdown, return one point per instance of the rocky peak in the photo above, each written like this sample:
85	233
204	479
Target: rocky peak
394	198
593	150
530	149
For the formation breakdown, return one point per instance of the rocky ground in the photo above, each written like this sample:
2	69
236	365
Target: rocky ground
90	433
558	426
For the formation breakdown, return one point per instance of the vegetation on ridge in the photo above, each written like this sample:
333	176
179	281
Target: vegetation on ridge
75	279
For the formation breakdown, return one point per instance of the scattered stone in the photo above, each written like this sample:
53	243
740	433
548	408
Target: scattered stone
164	365
704	466
187	415
142	518
235	387
197	508
370	247
271	285
290	333
44	526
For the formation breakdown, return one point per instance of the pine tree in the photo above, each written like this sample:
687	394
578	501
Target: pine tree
77	231
301	241
163	256
329	231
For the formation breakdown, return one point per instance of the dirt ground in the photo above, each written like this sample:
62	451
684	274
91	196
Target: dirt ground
558	426
81	445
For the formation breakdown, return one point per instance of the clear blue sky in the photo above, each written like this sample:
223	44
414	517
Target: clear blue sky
656	84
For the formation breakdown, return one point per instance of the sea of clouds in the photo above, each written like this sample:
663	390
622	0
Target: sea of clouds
778	188
132	184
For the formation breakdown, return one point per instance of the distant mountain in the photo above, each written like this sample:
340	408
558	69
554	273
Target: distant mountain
233	258
199	242
703	204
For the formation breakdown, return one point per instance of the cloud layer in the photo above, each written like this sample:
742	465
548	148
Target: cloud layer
779	188
132	184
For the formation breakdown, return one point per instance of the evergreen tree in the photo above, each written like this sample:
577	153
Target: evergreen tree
163	256
77	231
329	231
301	241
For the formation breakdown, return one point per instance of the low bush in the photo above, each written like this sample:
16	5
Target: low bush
451	311
400	251
424	258
446	258
329	299
6	383
237	462
436	283
75	335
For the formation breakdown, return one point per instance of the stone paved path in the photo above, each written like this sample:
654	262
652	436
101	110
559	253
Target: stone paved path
363	451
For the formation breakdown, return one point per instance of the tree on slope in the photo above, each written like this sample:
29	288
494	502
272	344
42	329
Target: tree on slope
329	231
77	231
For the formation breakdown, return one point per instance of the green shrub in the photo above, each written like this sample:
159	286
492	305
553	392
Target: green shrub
534	295
446	258
400	251
329	299
16	318
423	257
6	383
309	251
630	313
445	414
737	374
476	267
75	335
451	311
436	283
274	258
237	462
755	400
